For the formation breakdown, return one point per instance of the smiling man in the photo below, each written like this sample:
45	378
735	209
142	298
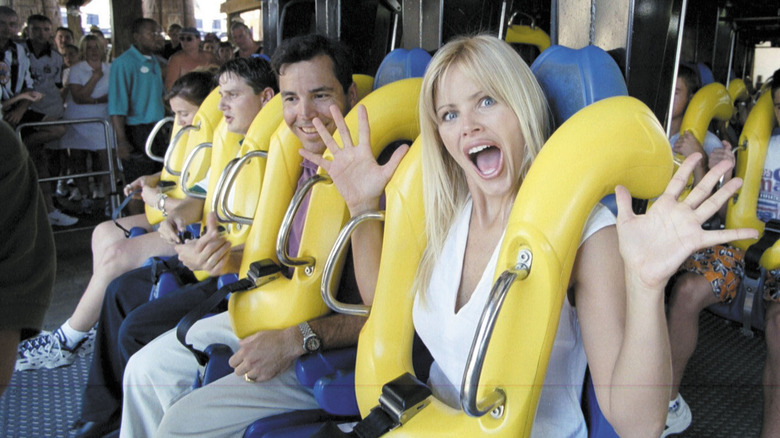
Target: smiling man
314	73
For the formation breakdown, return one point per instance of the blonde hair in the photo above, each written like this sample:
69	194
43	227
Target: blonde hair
503	75
83	46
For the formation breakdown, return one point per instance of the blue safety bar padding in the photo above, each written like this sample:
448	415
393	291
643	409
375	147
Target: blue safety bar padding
573	79
401	64
610	202
226	279
336	394
312	367
137	231
217	366
311	419
150	260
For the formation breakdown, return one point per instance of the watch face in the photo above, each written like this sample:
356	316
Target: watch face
312	344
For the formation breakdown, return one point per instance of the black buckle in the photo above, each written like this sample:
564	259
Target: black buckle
263	271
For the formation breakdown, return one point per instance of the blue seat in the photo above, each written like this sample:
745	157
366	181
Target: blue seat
573	79
401	64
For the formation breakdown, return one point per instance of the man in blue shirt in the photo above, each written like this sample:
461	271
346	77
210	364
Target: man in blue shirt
135	98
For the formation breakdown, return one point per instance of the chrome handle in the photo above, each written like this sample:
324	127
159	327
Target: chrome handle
336	258
185	172
218	189
228	188
174	142
152	135
284	231
471	376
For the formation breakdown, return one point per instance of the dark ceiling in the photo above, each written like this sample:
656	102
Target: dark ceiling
755	20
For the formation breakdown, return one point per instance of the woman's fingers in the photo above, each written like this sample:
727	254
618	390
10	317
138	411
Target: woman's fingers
703	190
712	204
680	178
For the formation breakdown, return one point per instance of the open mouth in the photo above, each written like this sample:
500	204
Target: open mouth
486	158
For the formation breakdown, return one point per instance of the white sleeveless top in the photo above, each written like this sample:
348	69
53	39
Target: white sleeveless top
448	335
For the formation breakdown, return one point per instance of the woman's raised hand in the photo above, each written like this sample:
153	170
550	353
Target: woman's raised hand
655	244
354	170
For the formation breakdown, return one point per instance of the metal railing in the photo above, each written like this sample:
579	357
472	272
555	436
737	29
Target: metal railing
114	165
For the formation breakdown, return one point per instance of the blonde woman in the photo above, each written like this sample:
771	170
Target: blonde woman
483	120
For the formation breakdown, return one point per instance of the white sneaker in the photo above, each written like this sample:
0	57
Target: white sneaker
62	188
679	417
98	192
75	195
61	219
48	350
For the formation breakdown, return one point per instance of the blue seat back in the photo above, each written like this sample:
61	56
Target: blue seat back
573	79
401	64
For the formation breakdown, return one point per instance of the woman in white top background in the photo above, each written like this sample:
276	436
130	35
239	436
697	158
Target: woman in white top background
483	120
87	99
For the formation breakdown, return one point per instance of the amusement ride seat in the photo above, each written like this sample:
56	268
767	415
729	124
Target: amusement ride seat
183	140
749	308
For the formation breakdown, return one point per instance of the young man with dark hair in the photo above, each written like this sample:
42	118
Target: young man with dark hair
128	320
62	38
172	45
264	381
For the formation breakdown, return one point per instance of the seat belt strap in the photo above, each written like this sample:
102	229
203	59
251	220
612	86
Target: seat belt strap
260	272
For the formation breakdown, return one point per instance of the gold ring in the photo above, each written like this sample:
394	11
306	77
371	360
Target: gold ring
249	379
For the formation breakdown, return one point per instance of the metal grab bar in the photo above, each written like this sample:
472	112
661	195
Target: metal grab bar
113	163
175	142
219	187
284	232
185	172
150	138
471	376
336	258
225	191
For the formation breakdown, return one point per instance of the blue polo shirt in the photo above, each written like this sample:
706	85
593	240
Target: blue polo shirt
135	88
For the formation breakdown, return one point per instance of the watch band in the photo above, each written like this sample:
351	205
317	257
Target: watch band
308	334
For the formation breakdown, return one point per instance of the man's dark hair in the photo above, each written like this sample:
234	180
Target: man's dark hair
775	82
689	74
5	11
64	29
173	27
238	25
38	18
140	23
225	44
307	47
256	71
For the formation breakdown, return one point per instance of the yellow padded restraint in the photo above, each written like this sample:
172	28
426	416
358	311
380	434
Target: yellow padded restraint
285	302
750	167
737	90
523	34
206	118
712	101
613	141
248	183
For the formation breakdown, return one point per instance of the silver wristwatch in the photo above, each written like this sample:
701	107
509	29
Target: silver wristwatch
311	342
